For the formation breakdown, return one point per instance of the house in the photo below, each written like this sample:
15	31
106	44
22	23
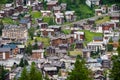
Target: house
93	46
27	17
14	72
63	39
25	9
56	28
37	54
79	35
114	8
50	50
63	46
19	8
46	13
93	2
63	6
40	45
86	53
98	12
97	39
69	15
43	25
91	21
106	63
34	6
50	69
47	32
57	9
25	23
59	52
51	4
59	18
2	14
79	44
104	8
115	17
15	16
4	53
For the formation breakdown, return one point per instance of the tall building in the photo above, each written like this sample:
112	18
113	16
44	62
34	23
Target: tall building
14	32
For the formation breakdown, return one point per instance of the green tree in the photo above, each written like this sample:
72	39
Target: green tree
2	72
24	74
110	45
28	49
34	73
80	71
23	62
46	77
51	21
31	32
115	71
36	44
1	27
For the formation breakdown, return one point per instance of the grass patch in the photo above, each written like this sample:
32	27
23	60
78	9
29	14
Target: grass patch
8	21
66	31
46	41
75	52
102	20
36	14
90	35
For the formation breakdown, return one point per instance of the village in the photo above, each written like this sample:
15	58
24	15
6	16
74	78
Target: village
49	35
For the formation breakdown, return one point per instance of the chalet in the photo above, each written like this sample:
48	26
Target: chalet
40	45
63	46
15	16
59	18
40	20
25	23
79	35
59	52
56	28
86	53
19	8
93	46
34	6
91	21
7	12
63	39
93	2
97	39
37	54
79	44
47	32
69	15
106	63
51	4
46	13
98	12
63	6
25	9
104	9
114	8
40	5
115	17
43	25
57	9
50	69
27	17
2	14
50	50
13	73
4	53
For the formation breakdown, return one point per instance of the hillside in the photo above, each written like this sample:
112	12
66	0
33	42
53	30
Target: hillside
80	8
